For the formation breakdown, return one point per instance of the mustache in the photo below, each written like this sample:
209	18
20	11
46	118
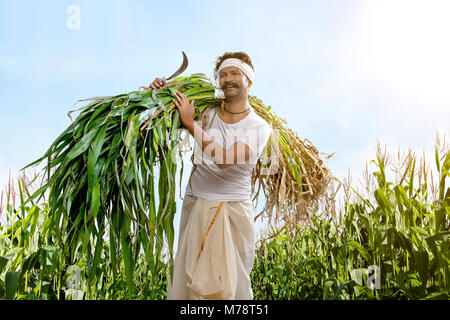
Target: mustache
230	84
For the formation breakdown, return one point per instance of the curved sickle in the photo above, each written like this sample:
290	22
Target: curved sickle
180	70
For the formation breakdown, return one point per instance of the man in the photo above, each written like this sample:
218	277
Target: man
217	236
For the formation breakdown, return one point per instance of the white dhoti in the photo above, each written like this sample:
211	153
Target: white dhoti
216	250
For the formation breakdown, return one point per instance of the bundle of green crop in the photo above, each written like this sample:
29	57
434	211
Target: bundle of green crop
100	171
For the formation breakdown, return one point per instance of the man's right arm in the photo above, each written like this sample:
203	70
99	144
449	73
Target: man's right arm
222	157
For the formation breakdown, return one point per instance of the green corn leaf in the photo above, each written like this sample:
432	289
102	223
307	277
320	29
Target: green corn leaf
11	284
382	200
127	258
81	146
364	253
3	262
358	275
422	262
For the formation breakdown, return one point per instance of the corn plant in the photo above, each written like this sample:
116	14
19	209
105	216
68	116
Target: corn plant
403	235
33	265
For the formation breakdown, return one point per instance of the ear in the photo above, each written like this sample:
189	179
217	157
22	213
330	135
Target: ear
249	83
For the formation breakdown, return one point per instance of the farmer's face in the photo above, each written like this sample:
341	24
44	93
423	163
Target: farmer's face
233	82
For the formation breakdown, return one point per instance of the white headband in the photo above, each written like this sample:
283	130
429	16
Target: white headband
232	62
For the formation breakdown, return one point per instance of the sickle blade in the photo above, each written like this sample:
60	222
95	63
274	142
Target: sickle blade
182	68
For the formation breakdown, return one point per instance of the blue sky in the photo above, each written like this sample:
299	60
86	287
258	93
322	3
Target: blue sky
343	73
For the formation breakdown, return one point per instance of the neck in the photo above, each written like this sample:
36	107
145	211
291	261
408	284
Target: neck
237	104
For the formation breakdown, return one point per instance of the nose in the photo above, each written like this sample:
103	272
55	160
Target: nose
228	78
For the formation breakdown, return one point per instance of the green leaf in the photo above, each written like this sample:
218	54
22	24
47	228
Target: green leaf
383	234
360	249
404	242
81	146
382	199
422	262
358	275
11	283
441	236
3	262
340	289
437	296
127	259
95	203
49	255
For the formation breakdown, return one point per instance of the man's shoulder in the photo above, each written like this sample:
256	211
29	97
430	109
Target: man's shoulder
207	114
259	122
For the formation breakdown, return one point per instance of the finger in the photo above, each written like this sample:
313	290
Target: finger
160	82
156	82
177	103
182	96
185	100
178	95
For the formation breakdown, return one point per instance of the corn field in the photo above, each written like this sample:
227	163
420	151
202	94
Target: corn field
392	243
